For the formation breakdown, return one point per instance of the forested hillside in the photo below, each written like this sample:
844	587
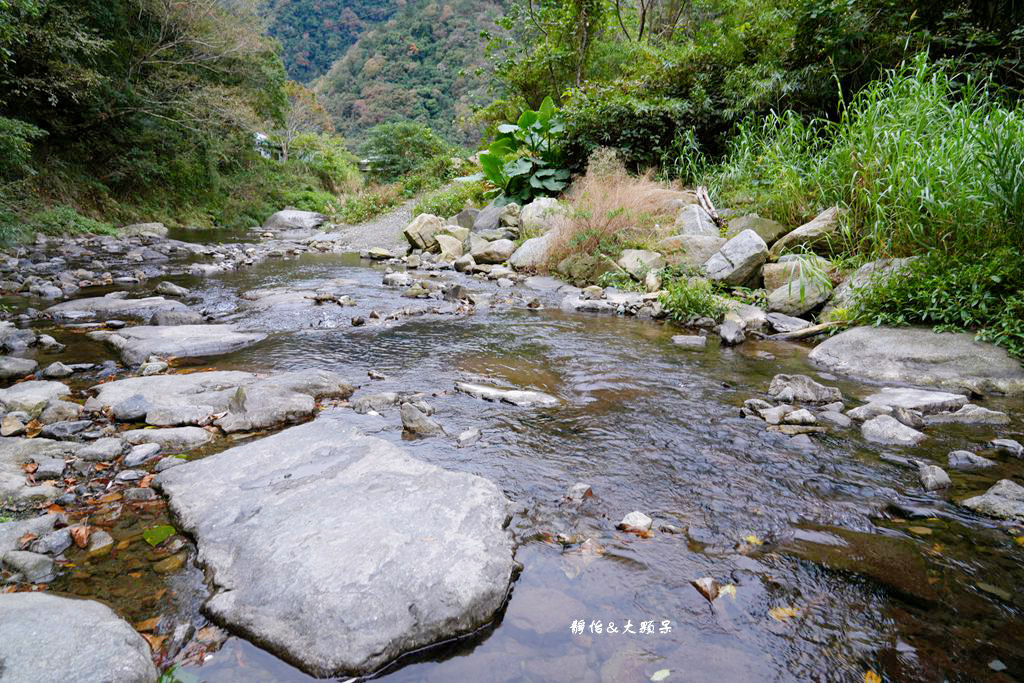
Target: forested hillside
426	64
315	33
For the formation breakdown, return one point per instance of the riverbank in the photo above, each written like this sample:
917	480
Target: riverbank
801	497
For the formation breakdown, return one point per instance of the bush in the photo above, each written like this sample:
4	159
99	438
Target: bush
977	292
326	157
398	149
687	298
311	200
64	220
449	201
16	139
369	203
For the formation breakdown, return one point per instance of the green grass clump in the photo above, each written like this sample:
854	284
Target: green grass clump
64	220
449	201
979	292
687	298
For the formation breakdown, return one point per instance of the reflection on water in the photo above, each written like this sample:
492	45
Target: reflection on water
870	573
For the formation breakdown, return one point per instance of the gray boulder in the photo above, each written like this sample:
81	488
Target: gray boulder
1005	500
769	230
692	219
11	533
920	356
637	262
422	231
739	260
33	396
886	429
31	567
173	440
12	367
798	298
925	402
144	230
801	389
170	289
971	414
965	460
690	250
497	251
111	307
532	254
819	234
293	219
416	421
933	477
136	344
540	215
516	397
381	579
81	640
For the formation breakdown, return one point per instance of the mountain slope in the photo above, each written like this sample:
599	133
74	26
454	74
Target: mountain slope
426	63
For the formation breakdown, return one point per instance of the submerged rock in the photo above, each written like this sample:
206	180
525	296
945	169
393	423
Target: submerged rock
933	477
1005	500
965	460
107	307
925	402
81	640
137	344
516	397
382	578
971	414
920	356
416	421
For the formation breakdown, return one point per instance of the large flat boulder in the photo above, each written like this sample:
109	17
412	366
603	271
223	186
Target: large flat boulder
926	402
293	219
12	367
32	396
136	344
339	552
109	307
1005	500
45	638
739	260
914	355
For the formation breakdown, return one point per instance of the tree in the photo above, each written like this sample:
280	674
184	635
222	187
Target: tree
304	115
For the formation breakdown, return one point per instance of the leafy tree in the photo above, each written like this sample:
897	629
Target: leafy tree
400	148
304	115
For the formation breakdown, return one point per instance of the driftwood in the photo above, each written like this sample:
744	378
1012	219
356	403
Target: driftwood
806	332
705	203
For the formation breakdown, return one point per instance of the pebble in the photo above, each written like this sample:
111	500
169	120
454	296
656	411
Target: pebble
578	492
468	438
636	521
141	454
933	477
100	543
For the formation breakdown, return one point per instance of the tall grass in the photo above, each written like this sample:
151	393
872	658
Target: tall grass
923	160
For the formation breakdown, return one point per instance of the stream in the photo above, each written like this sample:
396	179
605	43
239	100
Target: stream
840	562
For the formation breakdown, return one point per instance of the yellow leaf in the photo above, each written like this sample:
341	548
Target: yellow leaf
753	540
783	613
1019	540
920	530
729	590
871	677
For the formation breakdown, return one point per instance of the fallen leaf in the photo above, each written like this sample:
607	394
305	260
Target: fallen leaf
783	613
995	590
660	675
920	530
55	509
158	534
1019	540
753	540
110	498
100	466
26	539
148	624
135	575
146	481
871	677
155	642
80	534
30	467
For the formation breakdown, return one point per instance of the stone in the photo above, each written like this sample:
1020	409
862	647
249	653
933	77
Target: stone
731	333
388	579
60	411
933	477
749	318
911	418
280	399
466	218
774	415
844	296
739	260
52	543
818	235
1007	447
834	418
57	370
948	360
152	367
12	367
637	262
497	251
767	229
142	454
458	232
379	254
399	279
421	232
801	389
174	440
636	521
791	269
925	402
48	469
965	460
139	495
868	411
106	307
100	543
177	318
33	568
798	298
464	263
800	417
451	248
137	344
416	421
171	289
532	254
99	450
542	214
781	323
33	396
1005	500
84	641
690	341
886	429
467	438
375	402
12	533
692	219
690	250
970	414
516	397
144	230
11	425
578	492
293	219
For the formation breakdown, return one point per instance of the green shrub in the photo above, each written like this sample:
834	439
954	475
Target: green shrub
398	149
16	139
449	201
686	298
977	292
372	202
310	200
64	220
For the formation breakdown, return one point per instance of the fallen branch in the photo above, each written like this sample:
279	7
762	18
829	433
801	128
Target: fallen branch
805	332
705	203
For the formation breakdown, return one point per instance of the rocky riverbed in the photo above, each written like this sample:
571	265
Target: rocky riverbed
262	456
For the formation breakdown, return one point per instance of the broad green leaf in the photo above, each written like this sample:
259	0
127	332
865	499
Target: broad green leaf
527	119
547	109
158	534
508	128
518	167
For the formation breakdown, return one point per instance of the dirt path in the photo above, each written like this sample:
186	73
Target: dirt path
383	231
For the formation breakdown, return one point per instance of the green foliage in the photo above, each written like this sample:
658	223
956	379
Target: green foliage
326	157
158	534
525	161
619	280
365	205
16	138
449	201
686	298
977	291
64	220
397	149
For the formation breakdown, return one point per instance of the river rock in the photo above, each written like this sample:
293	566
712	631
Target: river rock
12	367
142	454
690	250
925	402
731	333
450	247
516	397
281	399
374	402
540	215
136	344
767	229
107	448
798	298
1005	500
948	360
636	521
637	262
933	477
382	578
12	425
293	219
886	429
83	641
421	232
965	460
172	440
532	254
497	251
144	230
971	414
690	341
416	421
171	289
819	234
1008	447
801	389
33	396
107	307
739	260
835	418
32	567
692	219
11	533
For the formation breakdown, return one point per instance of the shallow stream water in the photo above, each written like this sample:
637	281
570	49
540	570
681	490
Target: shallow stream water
870	572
